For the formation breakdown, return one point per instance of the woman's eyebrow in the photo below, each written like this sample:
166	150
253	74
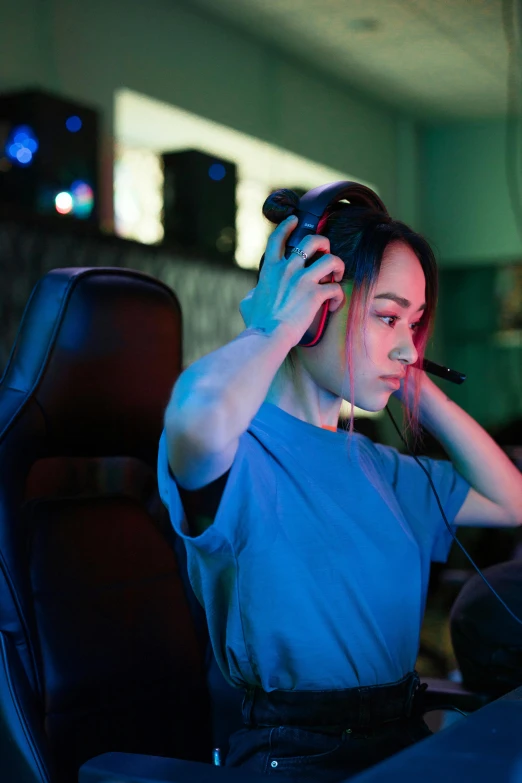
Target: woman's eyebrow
400	300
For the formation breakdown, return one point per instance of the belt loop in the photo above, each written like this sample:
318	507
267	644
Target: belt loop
364	706
246	706
412	690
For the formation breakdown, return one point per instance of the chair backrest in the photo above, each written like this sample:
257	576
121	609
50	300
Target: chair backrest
98	644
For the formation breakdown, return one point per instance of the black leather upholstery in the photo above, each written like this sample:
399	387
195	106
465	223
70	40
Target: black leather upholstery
96	630
24	753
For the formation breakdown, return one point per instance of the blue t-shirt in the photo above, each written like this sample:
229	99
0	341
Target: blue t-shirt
314	574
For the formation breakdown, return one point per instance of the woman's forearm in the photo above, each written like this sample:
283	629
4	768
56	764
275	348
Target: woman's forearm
472	451
227	387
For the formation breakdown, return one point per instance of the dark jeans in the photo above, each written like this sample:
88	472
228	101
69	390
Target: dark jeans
327	735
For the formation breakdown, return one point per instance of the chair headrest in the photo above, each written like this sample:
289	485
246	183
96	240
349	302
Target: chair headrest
98	351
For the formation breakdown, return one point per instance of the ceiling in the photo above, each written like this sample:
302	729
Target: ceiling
435	59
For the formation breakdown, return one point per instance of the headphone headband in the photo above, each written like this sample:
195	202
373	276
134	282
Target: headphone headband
315	203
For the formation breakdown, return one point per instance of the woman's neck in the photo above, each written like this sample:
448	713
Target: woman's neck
300	396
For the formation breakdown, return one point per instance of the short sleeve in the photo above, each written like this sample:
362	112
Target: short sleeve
417	500
212	539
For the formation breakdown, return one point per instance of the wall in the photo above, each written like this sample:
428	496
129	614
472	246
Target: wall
468	216
466	209
172	53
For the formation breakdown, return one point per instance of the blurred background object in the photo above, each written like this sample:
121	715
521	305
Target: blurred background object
199	204
50	157
149	131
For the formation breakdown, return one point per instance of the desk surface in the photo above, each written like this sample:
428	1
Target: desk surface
485	747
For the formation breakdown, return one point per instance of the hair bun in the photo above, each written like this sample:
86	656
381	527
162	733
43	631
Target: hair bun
280	204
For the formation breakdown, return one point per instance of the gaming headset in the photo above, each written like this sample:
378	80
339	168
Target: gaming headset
312	207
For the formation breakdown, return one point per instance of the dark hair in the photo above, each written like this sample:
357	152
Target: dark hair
359	233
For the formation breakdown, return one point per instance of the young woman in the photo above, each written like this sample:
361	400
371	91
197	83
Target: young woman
309	547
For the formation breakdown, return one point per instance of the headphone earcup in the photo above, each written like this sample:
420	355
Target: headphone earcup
315	332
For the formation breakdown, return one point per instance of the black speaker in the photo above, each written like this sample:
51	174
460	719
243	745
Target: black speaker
199	208
48	156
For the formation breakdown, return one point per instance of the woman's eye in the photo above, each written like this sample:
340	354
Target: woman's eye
388	318
394	318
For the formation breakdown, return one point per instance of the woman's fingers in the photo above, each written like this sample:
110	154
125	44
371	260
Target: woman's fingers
322	269
275	248
288	291
310	245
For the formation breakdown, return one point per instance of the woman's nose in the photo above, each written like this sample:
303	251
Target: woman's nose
405	351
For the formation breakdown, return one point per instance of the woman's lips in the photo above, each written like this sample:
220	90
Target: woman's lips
393	383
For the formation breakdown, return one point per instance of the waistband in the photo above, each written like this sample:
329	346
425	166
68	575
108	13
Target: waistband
363	707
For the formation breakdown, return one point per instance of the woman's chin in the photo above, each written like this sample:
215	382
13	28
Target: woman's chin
374	403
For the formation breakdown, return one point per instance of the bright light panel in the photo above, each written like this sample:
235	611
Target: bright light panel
145	128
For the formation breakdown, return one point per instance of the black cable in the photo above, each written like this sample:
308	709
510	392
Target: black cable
475	566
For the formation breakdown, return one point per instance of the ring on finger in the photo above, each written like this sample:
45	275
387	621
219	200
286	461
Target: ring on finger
300	252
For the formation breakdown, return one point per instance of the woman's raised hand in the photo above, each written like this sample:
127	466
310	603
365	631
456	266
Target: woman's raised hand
288	294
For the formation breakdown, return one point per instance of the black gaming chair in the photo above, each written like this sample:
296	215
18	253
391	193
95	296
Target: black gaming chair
103	648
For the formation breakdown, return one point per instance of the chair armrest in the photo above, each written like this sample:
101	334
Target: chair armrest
136	768
23	745
483	747
442	692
